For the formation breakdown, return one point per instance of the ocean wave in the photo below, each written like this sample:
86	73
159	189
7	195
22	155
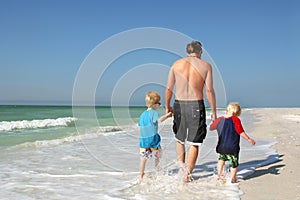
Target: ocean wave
33	124
90	134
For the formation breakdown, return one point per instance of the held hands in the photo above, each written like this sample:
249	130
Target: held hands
213	117
164	117
169	110
169	114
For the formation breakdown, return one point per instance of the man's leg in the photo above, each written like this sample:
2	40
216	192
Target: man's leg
192	157
180	151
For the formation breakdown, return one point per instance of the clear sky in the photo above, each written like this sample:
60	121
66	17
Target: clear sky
255	45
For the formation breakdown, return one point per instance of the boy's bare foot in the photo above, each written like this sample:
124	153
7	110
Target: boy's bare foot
221	179
141	176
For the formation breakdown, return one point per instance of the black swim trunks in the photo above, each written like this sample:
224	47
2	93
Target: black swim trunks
189	121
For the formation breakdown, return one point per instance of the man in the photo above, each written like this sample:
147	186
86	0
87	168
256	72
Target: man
189	75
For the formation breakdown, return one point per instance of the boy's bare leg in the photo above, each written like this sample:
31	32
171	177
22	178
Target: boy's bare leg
221	164
157	159
142	167
233	172
156	162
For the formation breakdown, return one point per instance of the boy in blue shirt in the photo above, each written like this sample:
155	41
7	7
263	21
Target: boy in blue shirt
149	137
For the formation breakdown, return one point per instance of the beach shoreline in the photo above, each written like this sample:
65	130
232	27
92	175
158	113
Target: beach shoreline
278	180
56	159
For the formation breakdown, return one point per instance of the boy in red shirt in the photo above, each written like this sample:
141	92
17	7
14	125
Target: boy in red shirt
229	130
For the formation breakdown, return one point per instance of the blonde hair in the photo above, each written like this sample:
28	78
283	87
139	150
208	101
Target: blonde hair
234	109
152	98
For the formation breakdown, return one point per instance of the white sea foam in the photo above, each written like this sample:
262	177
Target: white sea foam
89	134
44	123
69	170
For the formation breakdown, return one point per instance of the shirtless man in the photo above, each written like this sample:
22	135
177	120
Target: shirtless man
189	75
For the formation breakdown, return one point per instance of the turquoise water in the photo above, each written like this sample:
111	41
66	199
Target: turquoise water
19	124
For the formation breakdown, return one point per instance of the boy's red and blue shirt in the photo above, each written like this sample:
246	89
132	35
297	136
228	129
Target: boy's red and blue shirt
229	130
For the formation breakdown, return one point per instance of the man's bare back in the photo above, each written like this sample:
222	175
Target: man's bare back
190	75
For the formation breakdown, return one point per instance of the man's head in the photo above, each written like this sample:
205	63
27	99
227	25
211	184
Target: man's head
194	47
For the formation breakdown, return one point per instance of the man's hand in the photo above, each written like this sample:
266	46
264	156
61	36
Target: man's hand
168	110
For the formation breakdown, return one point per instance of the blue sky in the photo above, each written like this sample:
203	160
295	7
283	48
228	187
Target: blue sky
254	44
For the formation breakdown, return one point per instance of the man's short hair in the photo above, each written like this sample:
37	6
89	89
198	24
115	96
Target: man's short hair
194	47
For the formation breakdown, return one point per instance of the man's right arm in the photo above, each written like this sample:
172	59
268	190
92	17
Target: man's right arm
210	93
169	90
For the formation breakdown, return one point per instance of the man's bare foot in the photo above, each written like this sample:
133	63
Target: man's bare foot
234	180
187	178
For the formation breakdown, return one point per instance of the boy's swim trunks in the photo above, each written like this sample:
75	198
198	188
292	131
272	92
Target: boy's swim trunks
234	160
147	152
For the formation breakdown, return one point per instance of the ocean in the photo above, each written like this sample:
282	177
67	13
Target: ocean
60	152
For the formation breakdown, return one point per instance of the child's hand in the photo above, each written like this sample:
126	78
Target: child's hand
251	141
212	126
169	114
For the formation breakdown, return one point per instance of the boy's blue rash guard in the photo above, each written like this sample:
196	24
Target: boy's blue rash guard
149	137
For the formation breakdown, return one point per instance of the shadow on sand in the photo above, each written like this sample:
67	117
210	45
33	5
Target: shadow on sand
273	169
272	161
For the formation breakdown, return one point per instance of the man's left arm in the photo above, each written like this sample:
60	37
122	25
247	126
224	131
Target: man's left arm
210	92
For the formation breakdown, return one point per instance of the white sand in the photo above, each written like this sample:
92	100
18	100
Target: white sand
280	180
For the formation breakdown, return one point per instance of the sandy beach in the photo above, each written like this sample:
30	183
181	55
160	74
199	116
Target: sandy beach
279	180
